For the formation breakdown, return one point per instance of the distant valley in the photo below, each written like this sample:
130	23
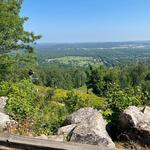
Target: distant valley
82	54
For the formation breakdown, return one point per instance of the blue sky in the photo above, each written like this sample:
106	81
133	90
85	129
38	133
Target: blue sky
88	20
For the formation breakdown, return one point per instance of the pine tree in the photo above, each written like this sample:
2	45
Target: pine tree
12	33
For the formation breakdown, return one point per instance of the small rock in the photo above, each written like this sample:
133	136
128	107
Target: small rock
66	129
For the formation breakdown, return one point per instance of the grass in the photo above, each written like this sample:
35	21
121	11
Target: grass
74	60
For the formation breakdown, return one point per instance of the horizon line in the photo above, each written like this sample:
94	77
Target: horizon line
127	41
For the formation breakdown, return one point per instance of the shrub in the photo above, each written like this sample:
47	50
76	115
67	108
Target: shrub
93	101
49	118
22	96
73	102
4	88
119	99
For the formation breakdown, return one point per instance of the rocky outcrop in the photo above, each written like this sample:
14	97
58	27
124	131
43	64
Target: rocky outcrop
87	126
136	123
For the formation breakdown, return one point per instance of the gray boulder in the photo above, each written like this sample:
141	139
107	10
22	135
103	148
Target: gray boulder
89	128
137	119
3	101
80	115
4	120
133	116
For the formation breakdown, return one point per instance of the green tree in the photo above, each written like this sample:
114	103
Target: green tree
96	79
147	78
137	73
146	92
12	33
79	77
13	37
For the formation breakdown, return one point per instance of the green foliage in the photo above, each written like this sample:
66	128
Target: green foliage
4	88
146	92
147	78
21	102
73	102
45	108
61	77
6	67
49	117
79	78
101	78
121	86
12	33
14	65
137	73
96	79
119	99
27	104
92	100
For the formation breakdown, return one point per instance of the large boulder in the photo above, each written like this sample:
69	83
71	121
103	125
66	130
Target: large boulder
88	127
137	120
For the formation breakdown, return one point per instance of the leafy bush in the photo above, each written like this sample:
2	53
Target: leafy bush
119	99
4	88
33	106
146	92
73	102
49	118
93	101
21	103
